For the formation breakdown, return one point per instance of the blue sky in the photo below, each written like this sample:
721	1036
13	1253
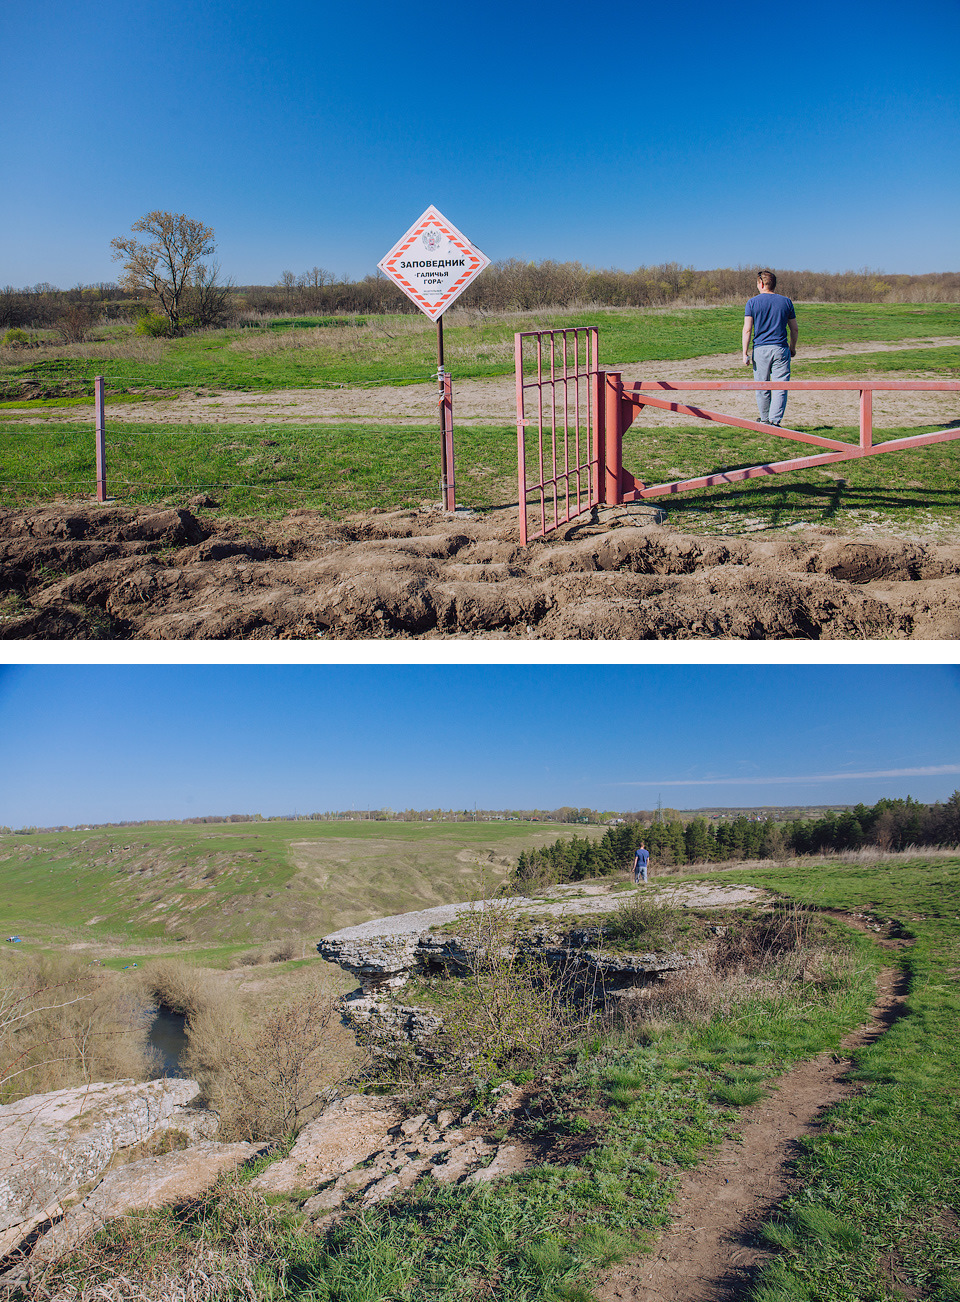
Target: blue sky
105	743
822	136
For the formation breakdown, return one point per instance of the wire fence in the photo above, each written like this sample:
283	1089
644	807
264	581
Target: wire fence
64	372
331	467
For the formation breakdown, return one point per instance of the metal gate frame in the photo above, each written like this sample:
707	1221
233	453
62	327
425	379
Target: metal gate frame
569	422
610	405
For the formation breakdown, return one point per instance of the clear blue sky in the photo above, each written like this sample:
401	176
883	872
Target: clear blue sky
104	743
819	136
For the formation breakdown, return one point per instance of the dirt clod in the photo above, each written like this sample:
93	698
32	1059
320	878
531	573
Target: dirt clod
75	571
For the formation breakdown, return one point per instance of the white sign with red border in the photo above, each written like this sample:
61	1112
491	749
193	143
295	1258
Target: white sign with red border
433	263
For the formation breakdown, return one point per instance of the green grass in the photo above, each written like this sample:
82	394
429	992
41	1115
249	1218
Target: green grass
929	363
264	471
224	888
914	492
879	1208
338	469
401	349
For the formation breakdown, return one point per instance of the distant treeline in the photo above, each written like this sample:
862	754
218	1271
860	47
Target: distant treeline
564	814
509	285
515	285
887	825
737	834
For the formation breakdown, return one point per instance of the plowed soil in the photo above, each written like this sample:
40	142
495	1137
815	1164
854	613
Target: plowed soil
88	571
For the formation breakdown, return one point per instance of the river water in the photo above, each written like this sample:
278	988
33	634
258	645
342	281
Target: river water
168	1035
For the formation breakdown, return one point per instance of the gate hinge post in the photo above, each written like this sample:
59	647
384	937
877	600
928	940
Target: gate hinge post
613	439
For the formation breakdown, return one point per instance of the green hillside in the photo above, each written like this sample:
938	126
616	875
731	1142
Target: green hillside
242	883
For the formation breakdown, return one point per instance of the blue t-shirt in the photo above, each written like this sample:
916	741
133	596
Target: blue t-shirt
770	313
642	856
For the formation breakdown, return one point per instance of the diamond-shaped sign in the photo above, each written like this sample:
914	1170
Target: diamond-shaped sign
433	263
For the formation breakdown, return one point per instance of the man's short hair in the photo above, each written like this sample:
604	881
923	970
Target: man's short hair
767	277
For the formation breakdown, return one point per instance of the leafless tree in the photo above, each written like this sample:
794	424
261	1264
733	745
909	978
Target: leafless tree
167	264
208	298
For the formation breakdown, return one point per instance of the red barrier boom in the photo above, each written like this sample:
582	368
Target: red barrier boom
624	401
577	415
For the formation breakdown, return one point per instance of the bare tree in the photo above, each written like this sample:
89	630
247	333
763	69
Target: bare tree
208	298
167	264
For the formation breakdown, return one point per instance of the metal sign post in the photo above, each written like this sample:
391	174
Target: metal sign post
433	264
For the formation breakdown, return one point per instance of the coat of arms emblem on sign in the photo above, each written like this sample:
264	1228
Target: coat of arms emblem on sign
431	240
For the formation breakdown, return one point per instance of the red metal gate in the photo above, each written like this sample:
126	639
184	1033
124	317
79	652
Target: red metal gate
559	396
612	405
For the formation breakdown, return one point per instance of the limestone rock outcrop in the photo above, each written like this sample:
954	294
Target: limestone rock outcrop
363	1149
386	963
53	1144
139	1186
342	1137
383	964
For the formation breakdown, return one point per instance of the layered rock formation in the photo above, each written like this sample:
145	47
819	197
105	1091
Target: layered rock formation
383	964
362	1150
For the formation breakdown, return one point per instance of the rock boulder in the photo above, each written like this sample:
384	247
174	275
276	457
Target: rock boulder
53	1144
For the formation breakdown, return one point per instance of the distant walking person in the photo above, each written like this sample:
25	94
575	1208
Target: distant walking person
768	317
641	859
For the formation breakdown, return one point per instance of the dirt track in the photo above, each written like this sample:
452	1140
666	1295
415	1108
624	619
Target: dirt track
493	401
118	572
712	1252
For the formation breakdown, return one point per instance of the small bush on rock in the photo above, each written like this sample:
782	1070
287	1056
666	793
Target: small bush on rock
510	1009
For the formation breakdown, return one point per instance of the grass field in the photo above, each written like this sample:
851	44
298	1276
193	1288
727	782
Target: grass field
402	349
875	1218
879	1212
218	888
266	470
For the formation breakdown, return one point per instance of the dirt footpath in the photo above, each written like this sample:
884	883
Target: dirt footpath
493	402
83	571
712	1250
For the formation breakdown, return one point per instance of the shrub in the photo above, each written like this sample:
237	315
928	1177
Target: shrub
176	985
157	327
266	1071
74	322
640	922
511	1009
17	338
788	929
63	1023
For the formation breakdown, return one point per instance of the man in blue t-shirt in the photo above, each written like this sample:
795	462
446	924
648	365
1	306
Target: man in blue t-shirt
640	860
769	317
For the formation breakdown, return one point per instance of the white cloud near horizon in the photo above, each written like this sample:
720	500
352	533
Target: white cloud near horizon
933	770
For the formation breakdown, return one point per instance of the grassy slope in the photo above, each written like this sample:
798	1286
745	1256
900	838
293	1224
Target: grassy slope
877	1213
234	884
878	1209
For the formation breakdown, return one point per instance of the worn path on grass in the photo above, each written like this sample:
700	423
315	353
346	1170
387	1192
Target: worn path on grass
493	401
711	1251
